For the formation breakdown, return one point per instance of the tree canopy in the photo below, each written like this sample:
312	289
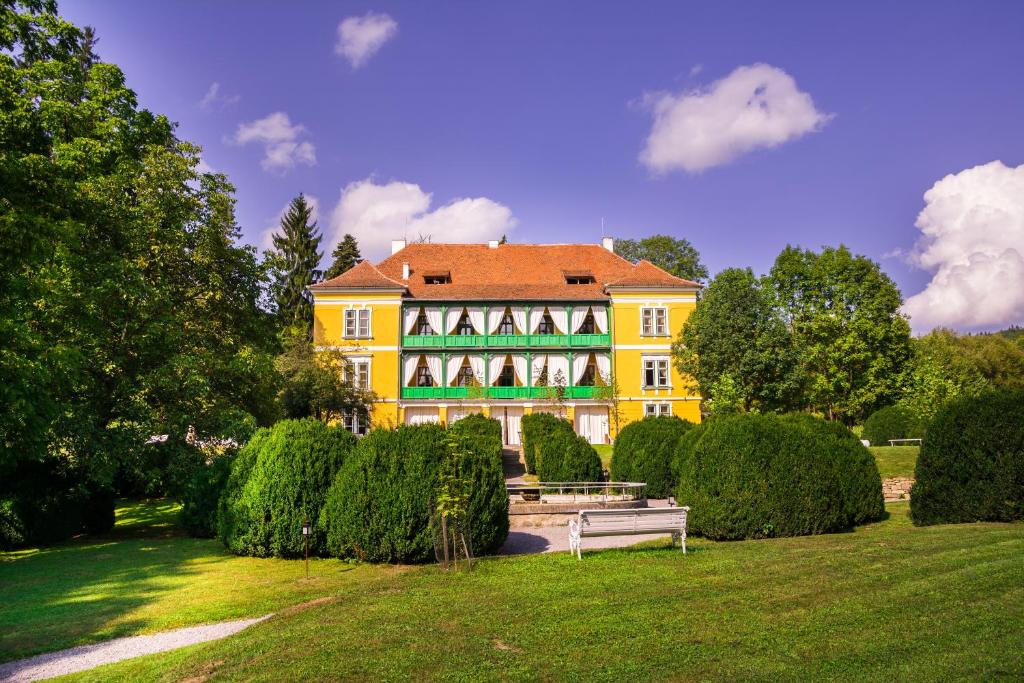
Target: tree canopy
345	256
676	256
296	262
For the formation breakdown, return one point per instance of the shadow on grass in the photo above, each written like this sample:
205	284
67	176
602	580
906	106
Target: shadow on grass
78	592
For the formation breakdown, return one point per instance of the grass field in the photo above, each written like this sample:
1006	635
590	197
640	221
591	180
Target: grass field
605	451
889	601
895	461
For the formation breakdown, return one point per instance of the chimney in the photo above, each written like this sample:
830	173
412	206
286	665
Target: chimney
405	270
397	246
493	244
608	243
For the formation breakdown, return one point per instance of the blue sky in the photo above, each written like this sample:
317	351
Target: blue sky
538	116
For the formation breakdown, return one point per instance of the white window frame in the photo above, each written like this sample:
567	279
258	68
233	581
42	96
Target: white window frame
360	319
658	409
657	360
657	314
354	362
357	427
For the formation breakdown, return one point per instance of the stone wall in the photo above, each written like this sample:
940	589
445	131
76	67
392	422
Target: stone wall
897	488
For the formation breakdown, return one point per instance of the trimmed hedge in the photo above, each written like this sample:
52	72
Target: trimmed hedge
378	508
564	456
893	422
756	476
538	428
645	450
201	495
488	503
971	466
279	480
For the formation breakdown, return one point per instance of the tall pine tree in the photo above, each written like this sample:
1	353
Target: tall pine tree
345	255
297	255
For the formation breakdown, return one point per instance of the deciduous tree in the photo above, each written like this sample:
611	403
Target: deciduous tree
676	256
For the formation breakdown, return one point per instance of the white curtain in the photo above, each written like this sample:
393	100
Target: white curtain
558	363
496	364
476	317
600	319
519	318
604	367
519	365
410	368
536	313
434	318
411	316
561	319
538	367
579	314
454	365
494	317
476	364
434	365
454	314
579	364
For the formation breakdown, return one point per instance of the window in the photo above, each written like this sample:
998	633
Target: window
441	277
423	377
654	322
422	326
578	277
656	372
360	376
507	326
587	326
547	325
587	378
507	378
465	377
464	327
356	423
657	409
357	323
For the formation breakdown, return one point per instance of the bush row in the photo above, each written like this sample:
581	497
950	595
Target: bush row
755	476
645	450
893	422
971	465
538	428
369	499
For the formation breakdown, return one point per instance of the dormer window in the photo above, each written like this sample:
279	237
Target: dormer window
437	277
578	277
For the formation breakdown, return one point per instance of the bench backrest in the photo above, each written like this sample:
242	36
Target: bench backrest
638	520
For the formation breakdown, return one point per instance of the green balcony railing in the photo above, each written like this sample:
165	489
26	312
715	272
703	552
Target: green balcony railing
496	392
483	341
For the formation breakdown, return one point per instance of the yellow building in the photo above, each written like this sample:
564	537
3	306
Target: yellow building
439	331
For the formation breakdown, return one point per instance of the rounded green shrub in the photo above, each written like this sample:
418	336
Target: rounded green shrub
644	451
378	508
538	428
893	422
479	438
756	476
971	466
564	456
284	474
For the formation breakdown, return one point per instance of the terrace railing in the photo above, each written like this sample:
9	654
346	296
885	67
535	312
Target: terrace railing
498	392
565	491
520	341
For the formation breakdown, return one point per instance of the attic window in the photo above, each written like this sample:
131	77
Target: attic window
578	277
437	277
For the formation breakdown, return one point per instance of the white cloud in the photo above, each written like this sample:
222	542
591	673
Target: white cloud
359	38
754	107
376	214
213	98
973	240
279	137
203	167
696	69
267	236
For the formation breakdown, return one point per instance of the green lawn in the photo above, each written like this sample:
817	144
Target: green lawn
145	576
889	601
605	451
895	461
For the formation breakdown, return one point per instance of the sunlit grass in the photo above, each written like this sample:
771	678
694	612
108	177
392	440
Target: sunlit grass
895	461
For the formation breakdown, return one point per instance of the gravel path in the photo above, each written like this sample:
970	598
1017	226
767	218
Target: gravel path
87	657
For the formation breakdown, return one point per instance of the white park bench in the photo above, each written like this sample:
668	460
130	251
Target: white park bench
894	442
629	522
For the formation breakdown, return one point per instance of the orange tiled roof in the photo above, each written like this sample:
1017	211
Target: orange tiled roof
363	275
508	272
